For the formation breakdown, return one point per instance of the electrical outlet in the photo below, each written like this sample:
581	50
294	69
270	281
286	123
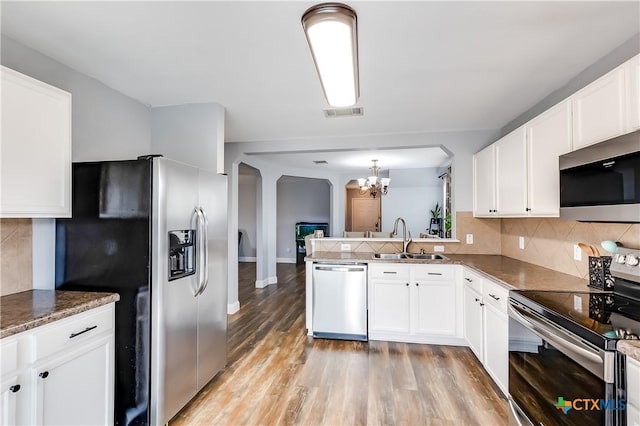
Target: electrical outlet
521	243
438	248
469	238
577	253
345	247
577	303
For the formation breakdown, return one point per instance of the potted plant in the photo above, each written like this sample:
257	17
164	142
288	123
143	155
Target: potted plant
434	224
447	226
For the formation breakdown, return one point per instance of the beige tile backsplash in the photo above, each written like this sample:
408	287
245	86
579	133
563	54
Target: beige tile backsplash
15	256
549	242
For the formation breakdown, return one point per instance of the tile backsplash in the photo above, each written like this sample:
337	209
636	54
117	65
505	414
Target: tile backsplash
15	256
549	242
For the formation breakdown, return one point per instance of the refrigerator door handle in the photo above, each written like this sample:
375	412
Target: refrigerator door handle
199	252
205	245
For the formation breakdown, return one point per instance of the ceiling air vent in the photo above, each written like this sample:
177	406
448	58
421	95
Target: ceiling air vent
343	112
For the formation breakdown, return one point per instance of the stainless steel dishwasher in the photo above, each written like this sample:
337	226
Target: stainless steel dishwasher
340	301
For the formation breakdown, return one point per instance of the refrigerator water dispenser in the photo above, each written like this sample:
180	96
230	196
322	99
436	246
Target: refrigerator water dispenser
181	253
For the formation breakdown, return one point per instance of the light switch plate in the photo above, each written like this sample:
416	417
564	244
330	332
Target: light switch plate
577	253
438	248
345	247
577	303
521	243
469	238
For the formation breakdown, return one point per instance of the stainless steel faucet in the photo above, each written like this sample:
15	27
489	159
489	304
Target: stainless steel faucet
405	241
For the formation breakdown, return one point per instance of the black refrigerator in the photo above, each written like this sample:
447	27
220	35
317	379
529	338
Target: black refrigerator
154	231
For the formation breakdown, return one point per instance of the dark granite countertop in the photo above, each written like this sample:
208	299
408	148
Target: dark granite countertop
29	309
511	273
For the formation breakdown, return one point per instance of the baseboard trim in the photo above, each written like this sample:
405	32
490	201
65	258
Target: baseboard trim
232	308
285	260
247	259
266	282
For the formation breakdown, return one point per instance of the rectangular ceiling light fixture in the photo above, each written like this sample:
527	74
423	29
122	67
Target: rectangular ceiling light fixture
331	30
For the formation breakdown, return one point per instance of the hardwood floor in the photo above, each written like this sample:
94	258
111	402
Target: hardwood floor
277	375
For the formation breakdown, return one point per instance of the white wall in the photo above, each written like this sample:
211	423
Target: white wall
192	134
247	194
106	125
299	200
412	195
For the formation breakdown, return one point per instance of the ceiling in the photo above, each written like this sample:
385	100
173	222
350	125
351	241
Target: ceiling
424	66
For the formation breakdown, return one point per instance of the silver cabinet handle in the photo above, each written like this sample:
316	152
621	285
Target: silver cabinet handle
72	335
469	280
390	272
494	296
434	273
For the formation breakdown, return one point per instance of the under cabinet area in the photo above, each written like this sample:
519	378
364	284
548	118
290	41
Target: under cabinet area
61	372
35	165
486	325
415	303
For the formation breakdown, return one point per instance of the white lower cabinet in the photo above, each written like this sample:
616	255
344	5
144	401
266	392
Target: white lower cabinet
64	372
415	303
487	325
633	392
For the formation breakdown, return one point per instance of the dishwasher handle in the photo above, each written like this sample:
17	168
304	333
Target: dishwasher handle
340	268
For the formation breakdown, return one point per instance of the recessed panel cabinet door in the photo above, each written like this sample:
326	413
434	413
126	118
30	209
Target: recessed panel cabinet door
435	308
473	321
10	388
599	110
35	156
389	306
632	74
496	353
548	137
511	174
76	388
484	182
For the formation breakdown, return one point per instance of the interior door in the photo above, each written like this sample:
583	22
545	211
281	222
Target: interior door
212	302
366	214
174	309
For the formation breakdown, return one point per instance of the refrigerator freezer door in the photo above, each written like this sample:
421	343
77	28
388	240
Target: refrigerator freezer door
212	302
174	305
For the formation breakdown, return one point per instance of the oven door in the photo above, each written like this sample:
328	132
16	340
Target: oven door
555	378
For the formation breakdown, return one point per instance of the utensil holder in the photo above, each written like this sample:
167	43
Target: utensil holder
599	273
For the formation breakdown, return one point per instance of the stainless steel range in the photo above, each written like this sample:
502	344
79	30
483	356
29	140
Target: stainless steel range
563	364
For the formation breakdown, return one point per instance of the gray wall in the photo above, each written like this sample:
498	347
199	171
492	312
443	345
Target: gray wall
618	56
107	125
299	200
247	218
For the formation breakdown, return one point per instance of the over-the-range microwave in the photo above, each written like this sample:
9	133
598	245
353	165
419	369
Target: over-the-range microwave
601	182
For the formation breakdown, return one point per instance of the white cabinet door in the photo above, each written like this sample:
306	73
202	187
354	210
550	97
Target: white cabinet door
35	162
388	306
548	137
75	387
632	75
633	392
496	354
473	330
434	308
10	389
484	182
599	110
511	174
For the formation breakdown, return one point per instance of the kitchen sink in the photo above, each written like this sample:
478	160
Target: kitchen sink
390	256
410	256
427	256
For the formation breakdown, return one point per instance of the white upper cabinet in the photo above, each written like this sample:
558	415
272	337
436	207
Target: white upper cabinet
511	174
548	137
484	182
632	75
599	109
35	154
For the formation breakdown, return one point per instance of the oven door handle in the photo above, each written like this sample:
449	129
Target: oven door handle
544	331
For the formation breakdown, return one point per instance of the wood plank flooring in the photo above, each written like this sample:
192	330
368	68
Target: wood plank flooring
276	375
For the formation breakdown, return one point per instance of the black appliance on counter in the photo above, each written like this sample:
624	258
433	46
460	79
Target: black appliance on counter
302	230
563	364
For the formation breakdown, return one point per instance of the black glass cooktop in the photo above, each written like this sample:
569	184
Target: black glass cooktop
599	317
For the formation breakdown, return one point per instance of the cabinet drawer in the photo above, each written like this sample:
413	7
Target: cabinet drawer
389	271
434	273
496	295
8	356
472	280
70	331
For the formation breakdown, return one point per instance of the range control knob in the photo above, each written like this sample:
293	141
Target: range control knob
621	259
632	260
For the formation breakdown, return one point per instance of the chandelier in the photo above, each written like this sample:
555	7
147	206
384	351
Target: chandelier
374	184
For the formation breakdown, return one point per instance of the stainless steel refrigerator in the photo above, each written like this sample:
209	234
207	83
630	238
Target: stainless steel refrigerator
155	231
